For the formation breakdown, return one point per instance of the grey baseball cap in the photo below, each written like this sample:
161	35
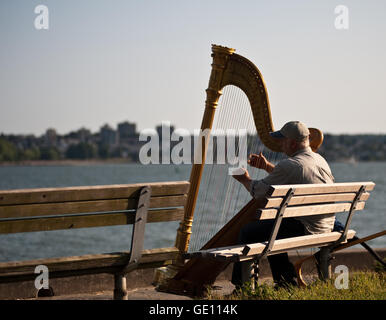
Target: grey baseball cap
294	130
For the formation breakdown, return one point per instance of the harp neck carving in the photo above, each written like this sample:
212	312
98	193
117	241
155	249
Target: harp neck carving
240	72
229	68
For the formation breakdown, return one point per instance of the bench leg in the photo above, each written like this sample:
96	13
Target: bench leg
120	290
324	263
254	274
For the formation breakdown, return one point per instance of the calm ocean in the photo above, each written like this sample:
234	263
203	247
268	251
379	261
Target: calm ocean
111	239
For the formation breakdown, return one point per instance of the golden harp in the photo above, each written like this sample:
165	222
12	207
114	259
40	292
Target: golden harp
228	69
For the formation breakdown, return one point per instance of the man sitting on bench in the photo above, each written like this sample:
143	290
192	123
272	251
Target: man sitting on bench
302	166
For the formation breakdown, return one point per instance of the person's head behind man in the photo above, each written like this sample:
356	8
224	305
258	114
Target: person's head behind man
292	137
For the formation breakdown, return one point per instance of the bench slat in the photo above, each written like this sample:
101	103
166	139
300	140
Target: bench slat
86	221
304	189
85	193
318	198
149	258
31	210
245	252
307	210
298	242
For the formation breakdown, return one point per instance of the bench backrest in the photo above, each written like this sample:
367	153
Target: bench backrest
314	199
44	209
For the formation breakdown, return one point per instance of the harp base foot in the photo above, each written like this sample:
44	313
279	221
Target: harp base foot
164	274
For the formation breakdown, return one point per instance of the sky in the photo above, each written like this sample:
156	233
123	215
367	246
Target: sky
105	62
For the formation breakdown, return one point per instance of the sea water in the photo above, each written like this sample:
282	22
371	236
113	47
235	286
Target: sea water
35	245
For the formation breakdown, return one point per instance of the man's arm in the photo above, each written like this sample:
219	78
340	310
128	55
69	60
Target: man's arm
260	162
283	174
257	161
244	179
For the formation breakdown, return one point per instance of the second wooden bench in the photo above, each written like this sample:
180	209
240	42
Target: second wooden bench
33	210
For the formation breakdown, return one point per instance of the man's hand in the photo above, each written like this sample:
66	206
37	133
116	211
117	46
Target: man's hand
260	162
244	179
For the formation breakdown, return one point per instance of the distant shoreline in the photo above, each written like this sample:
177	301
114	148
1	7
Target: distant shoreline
65	162
87	162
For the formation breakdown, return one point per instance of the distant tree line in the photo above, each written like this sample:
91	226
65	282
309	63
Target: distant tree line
10	152
364	147
361	147
82	151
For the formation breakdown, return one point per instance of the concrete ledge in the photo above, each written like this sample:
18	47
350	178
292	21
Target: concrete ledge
354	259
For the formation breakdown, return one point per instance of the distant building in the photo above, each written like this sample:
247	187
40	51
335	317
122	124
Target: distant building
108	136
50	137
84	135
165	127
126	130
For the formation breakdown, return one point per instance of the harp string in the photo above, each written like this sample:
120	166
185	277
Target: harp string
198	225
214	177
204	196
221	196
235	120
233	194
208	221
231	188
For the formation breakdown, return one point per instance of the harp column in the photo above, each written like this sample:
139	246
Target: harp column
220	57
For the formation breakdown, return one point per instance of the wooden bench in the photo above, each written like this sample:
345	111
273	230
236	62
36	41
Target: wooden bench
282	201
32	210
